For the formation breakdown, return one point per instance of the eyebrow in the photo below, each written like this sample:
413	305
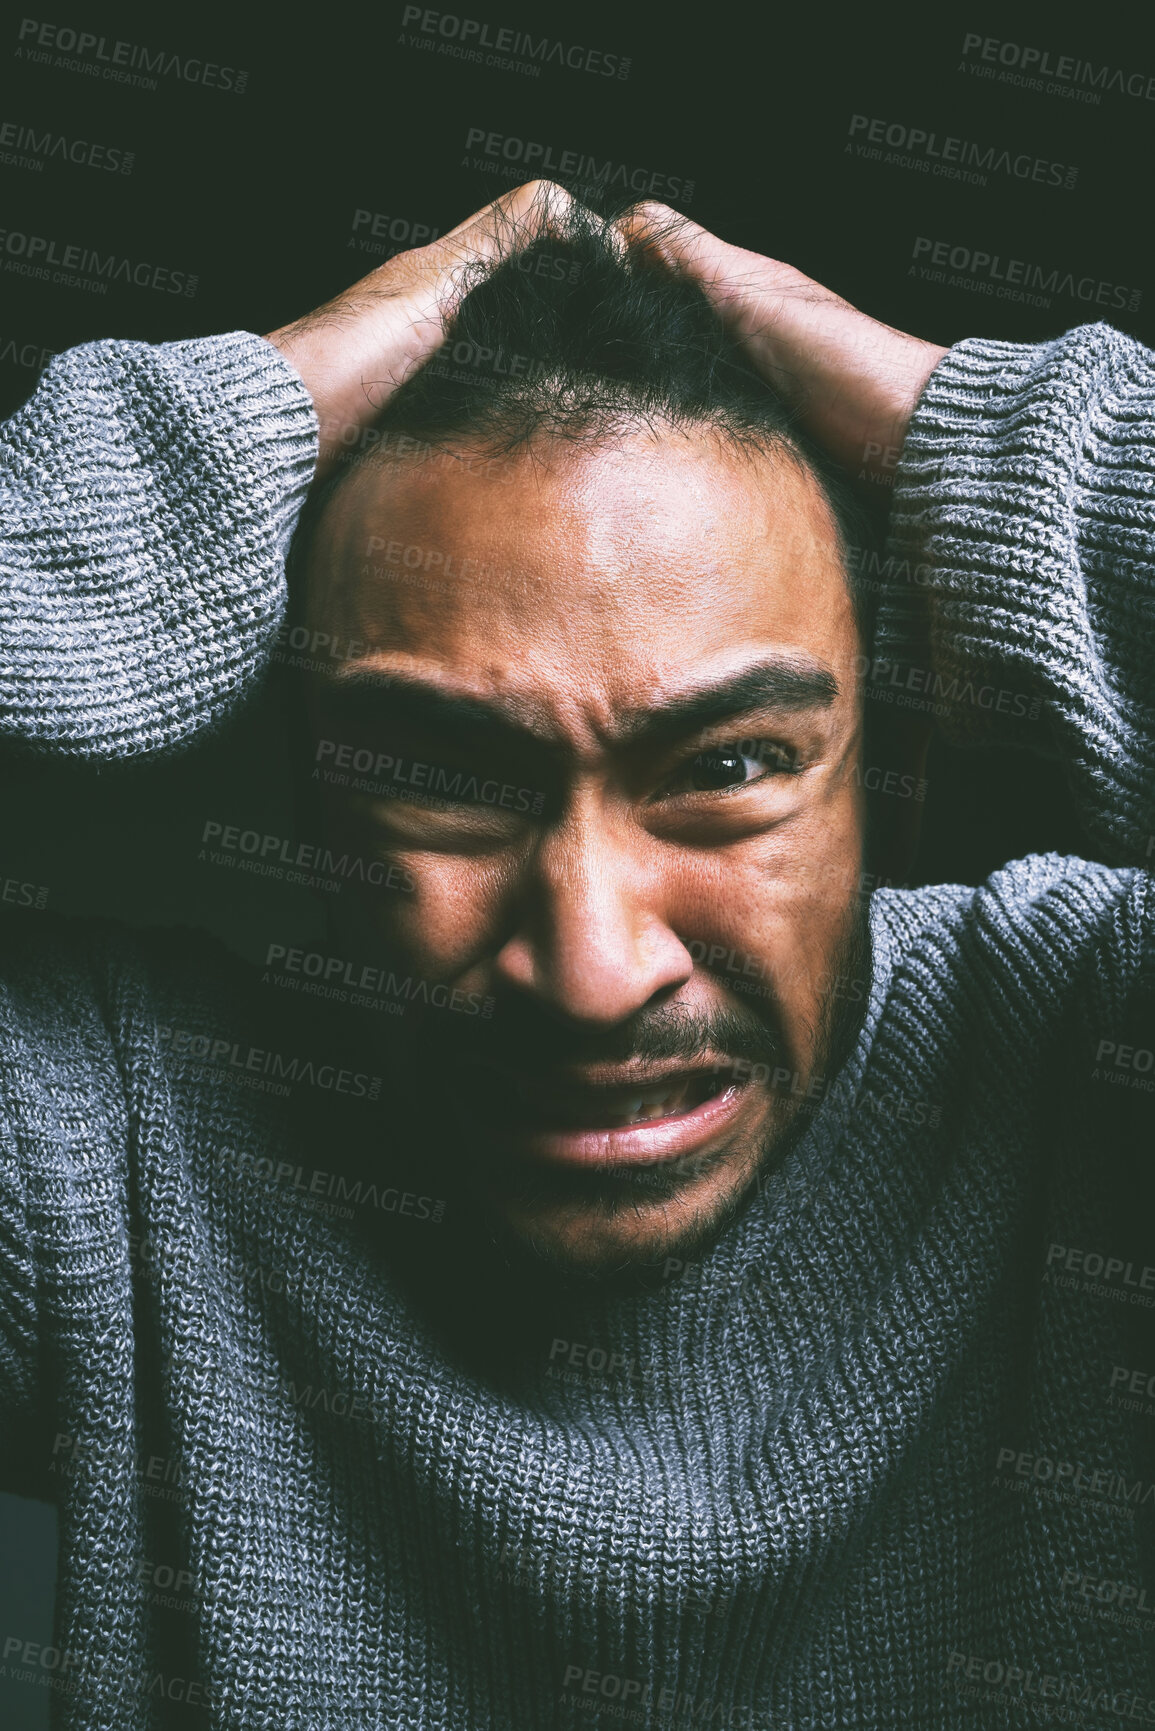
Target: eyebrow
370	696
793	685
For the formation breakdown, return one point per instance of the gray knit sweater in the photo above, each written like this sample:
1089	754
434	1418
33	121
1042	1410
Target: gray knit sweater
883	1459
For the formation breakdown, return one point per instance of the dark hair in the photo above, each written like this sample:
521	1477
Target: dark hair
581	336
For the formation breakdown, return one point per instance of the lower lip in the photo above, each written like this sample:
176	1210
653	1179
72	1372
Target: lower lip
634	1144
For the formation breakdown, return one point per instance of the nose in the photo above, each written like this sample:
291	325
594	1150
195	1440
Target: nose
590	938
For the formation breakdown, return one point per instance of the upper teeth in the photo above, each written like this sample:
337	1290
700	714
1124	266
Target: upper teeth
611	1106
636	1108
645	1103
655	1096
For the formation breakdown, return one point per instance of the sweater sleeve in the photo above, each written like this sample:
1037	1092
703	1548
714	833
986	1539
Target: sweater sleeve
1020	601
148	494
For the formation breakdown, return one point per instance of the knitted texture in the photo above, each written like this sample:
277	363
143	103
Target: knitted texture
1022	524
148	495
849	1470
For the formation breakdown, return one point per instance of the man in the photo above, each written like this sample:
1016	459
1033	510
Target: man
638	602
739	1341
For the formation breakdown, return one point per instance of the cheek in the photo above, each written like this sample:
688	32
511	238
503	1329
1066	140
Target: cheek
767	922
450	919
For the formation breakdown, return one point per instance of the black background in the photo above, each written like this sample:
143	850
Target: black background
255	194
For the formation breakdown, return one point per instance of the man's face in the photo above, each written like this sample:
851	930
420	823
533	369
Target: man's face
604	721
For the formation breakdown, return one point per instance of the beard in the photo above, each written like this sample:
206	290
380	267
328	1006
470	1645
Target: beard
493	1295
522	1038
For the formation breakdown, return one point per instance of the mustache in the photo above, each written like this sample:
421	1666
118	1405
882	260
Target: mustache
521	1036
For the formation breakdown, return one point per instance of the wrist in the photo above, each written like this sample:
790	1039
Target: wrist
901	378
305	355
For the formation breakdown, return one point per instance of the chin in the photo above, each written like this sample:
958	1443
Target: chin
625	1230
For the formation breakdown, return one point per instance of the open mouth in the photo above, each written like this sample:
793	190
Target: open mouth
611	1123
562	1107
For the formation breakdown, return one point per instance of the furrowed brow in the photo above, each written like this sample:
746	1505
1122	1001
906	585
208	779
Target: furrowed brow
790	686
371	698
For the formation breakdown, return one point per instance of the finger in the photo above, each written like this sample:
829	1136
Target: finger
434	279
671	238
732	279
525	214
729	274
422	289
541	194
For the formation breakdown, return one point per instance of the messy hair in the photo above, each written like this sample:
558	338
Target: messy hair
581	336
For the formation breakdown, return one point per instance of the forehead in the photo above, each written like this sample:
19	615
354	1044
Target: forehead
585	578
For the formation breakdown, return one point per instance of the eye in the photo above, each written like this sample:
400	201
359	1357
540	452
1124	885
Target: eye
730	766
